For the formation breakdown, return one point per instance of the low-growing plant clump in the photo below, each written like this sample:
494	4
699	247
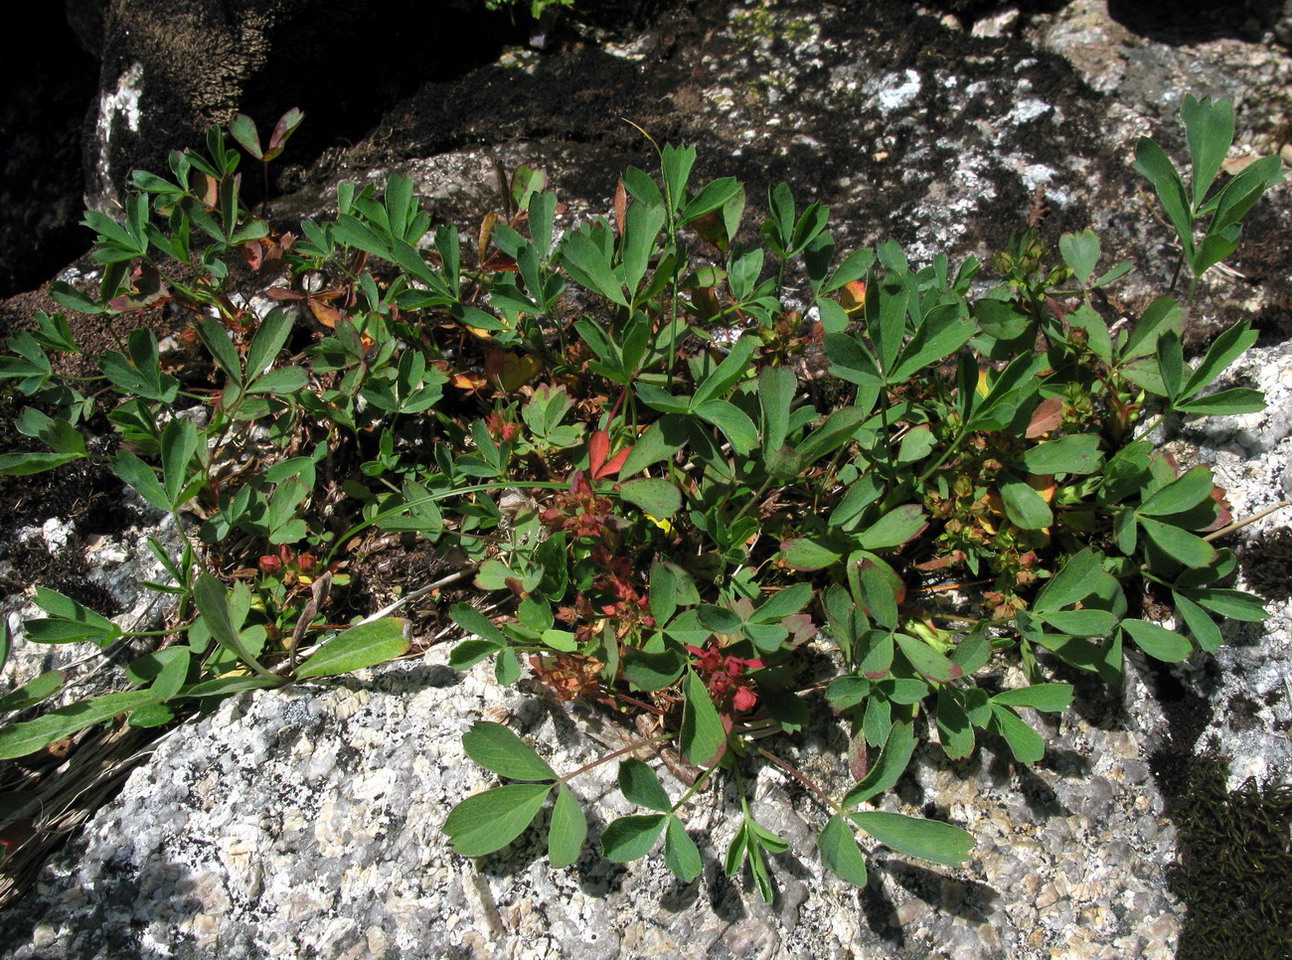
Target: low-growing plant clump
679	462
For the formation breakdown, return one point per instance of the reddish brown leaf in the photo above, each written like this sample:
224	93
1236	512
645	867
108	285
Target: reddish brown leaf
598	450
324	313
621	207
15	834
853	296
251	252
1047	416
858	762
616	462
713	228
486	234
1043	484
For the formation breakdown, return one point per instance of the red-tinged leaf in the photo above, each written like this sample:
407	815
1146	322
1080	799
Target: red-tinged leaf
598	450
324	313
510	371
621	207
243	130
616	463
928	661
858	759
1046	417
285	127
252	254
1224	515
207	190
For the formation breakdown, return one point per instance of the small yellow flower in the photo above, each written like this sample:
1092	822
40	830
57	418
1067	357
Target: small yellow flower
662	524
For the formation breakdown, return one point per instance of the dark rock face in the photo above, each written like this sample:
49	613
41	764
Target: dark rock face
194	63
909	130
52	83
1191	20
105	87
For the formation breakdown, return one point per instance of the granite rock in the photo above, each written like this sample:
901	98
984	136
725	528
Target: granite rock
306	822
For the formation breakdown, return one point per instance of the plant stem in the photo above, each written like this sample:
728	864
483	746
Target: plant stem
955	445
700	781
799	776
635	745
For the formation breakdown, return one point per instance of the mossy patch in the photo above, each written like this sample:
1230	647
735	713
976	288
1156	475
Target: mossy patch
1235	858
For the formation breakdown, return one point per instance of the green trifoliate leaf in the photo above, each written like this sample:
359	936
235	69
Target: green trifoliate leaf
954	729
930	840
840	853
719	619
1081	253
474	622
1024	506
1024	742
804	554
1199	624
496	748
1180	495
507	667
928	661
732	421
488	821
658	498
1234	604
631	838
1081	623
875	653
894	528
640	785
680	853
1157	641
1047	697
561	640
703	736
470	652
973	652
888	768
1189	549
1225	403
653	671
845	692
783	603
1075	454
568	830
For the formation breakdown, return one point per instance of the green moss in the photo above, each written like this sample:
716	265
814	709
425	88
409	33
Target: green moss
1233	868
763	21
